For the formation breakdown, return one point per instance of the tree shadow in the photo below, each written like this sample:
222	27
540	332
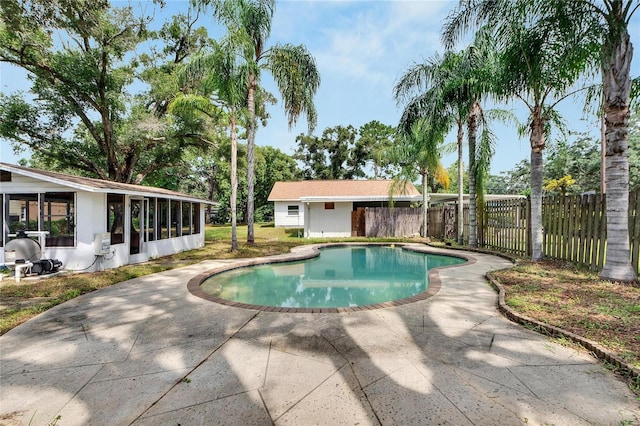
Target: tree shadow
148	352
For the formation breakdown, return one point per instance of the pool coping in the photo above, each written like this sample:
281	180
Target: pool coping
313	250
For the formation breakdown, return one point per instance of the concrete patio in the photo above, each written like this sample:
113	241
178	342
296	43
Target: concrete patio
148	352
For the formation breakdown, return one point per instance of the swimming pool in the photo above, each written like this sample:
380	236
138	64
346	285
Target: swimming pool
340	277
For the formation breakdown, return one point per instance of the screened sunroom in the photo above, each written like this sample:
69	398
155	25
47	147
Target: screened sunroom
91	224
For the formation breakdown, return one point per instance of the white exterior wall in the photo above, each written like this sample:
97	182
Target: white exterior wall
91	218
328	223
281	214
174	245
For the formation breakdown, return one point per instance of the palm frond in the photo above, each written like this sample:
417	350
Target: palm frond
193	105
635	90
416	79
295	72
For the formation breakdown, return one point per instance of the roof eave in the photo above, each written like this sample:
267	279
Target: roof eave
100	190
373	198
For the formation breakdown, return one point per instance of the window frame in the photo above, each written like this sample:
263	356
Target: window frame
175	216
162	221
29	211
46	215
115	200
186	217
195	218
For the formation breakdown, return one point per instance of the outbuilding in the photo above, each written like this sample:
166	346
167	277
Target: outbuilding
91	224
335	208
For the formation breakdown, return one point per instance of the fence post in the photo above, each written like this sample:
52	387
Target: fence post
528	234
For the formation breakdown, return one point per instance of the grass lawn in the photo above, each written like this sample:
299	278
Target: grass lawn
556	293
575	299
19	302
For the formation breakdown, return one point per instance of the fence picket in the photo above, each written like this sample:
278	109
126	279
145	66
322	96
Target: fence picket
574	227
634	227
603	232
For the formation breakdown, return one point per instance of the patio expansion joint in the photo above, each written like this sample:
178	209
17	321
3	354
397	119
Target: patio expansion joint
364	392
134	376
205	359
23	370
266	371
183	407
338	370
284	351
502	385
266	408
487	395
444	395
381	377
567	407
77	393
522	383
133	345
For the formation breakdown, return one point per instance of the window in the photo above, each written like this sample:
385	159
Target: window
23	212
175	219
58	217
2	213
293	210
195	215
115	217
186	218
163	214
151	225
329	206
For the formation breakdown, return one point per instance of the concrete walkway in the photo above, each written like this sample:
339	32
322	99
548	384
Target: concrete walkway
147	352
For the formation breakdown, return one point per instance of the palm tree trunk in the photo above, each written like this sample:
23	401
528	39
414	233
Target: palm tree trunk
460	185
425	205
212	191
617	86
234	183
537	145
251	136
472	125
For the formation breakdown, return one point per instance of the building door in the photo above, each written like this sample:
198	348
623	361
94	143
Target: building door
358	223
137	231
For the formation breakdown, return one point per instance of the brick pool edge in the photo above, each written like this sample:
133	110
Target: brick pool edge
313	250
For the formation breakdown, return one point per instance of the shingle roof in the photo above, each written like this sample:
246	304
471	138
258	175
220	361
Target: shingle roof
340	189
96	185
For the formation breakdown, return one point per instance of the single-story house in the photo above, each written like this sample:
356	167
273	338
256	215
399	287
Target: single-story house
324	208
92	224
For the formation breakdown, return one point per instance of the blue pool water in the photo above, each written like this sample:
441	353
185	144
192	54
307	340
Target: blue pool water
339	277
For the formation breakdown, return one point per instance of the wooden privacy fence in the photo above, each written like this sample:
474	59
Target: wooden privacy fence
574	227
505	226
443	222
392	222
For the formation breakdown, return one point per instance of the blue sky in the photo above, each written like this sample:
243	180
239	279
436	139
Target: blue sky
361	49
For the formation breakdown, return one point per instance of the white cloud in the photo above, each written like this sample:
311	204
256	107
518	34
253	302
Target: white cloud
375	41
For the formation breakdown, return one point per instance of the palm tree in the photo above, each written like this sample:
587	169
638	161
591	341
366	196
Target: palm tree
221	81
479	69
540	61
617	52
292	67
418	154
434	90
